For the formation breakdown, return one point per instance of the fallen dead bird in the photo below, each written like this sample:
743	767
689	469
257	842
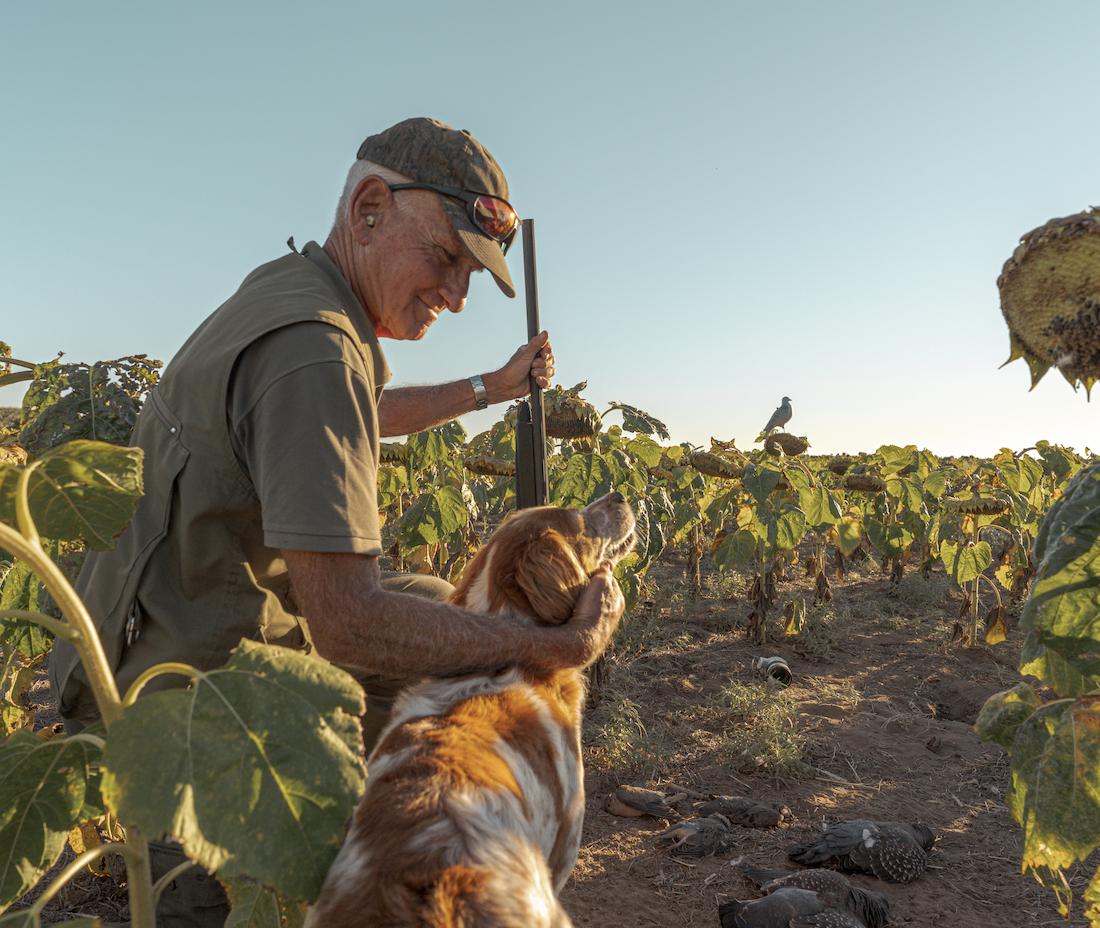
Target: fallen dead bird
893	851
700	837
787	908
832	888
745	812
634	802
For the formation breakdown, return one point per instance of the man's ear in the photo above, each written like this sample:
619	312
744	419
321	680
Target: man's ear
368	206
551	576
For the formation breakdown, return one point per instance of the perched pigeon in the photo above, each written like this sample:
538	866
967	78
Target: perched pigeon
787	907
780	417
891	851
700	837
634	802
745	812
831	887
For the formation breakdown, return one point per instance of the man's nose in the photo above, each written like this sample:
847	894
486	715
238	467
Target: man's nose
454	291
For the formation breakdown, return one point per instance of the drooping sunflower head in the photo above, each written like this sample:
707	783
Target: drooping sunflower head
1050	298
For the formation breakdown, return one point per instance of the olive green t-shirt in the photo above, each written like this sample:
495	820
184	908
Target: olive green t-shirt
303	425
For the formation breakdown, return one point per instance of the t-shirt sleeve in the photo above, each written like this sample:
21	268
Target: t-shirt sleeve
304	423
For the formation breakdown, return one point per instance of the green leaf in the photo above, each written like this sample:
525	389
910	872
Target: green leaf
97	402
645	449
435	516
1062	614
907	491
785	530
81	490
255	906
586	477
634	420
21	589
392	481
934	484
426	449
44	792
964	561
685	517
630	581
736	551
760	481
627	475
849	532
1055	791
890	540
254	769
896	458
1004	713
1092	901
820	507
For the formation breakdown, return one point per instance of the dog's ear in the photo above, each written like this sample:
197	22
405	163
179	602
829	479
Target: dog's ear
550	575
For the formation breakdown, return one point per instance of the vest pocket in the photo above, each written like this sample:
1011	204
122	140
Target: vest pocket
119	576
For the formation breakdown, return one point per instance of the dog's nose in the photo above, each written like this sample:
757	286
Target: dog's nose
616	497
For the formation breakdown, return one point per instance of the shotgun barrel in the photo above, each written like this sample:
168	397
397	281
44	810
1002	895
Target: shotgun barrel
531	487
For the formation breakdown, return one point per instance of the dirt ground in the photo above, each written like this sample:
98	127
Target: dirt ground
885	704
877	724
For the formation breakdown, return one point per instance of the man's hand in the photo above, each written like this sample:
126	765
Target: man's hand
510	382
588	632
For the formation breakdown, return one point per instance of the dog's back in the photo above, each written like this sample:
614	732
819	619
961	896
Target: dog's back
473	809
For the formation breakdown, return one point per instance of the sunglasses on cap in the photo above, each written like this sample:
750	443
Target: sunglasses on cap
494	216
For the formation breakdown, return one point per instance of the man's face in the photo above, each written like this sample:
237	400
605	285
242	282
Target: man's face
414	265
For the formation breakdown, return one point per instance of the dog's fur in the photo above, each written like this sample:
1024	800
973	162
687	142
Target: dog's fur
475	799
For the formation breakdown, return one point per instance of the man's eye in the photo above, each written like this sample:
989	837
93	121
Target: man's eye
445	256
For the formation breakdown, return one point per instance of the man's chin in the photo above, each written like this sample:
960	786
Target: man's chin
382	332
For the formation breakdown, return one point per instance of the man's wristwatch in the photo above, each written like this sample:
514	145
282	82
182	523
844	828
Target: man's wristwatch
481	398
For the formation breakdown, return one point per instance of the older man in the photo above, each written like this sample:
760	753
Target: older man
260	515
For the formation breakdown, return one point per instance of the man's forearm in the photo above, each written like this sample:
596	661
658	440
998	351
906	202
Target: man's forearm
404	410
355	622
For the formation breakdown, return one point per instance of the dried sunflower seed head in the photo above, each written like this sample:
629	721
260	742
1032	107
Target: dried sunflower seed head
976	505
490	467
840	464
863	483
1050	298
392	452
715	466
790	445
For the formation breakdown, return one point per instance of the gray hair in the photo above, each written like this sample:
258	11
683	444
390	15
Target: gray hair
359	170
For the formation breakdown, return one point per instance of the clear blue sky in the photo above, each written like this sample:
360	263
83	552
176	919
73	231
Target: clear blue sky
734	201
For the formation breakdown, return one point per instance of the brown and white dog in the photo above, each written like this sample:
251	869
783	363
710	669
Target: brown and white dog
475	795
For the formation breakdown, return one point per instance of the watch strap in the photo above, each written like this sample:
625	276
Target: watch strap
481	397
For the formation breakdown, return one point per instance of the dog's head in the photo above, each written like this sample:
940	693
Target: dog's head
539	560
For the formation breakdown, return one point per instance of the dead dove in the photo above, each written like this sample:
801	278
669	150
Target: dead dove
892	851
700	837
832	888
747	813
787	907
634	802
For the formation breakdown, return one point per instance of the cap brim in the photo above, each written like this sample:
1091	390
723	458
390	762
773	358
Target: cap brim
483	248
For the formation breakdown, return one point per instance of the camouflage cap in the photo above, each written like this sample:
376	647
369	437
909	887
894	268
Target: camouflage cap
429	152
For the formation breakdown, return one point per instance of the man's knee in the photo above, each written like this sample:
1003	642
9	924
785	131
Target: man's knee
424	585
